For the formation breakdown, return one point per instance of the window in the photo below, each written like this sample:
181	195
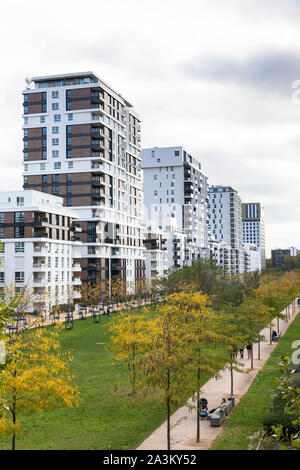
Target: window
57	165
55	178
55	106
2	247
177	153
2	279
69	201
55	141
25	132
55	153
70	117
55	94
70	164
20	201
42	119
155	177
25	156
19	232
2	232
42	166
69	93
44	178
26	177
55	190
44	108
91	250
69	153
55	130
25	167
69	176
19	276
69	105
2	215
26	121
19	247
25	109
57	117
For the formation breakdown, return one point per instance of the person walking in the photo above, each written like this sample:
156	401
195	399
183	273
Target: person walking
249	350
241	349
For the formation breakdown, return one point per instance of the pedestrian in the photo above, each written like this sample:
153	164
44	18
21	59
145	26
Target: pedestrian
249	350
241	349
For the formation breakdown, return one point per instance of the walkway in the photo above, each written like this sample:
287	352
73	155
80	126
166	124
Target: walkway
184	433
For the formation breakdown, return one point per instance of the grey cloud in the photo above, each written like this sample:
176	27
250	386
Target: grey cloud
271	71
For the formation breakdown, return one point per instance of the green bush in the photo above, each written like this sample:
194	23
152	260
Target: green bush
284	419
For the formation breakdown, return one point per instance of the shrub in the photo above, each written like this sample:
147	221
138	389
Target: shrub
283	419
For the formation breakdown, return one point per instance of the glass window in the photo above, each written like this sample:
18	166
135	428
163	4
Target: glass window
42	166
57	165
70	117
55	141
57	117
19	247
55	94
55	130
19	276
55	106
55	153
42	119
2	215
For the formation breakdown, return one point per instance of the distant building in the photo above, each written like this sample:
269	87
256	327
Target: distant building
279	254
254	228
225	226
176	197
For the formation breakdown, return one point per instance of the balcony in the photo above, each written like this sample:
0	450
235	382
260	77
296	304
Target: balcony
40	222
39	267
76	281
76	267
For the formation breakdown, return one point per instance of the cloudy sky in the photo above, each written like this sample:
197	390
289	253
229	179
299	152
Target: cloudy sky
213	75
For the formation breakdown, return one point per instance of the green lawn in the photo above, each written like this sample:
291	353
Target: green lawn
246	419
107	418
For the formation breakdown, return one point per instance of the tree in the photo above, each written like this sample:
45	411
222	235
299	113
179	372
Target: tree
269	294
200	331
167	361
252	315
35	378
129	340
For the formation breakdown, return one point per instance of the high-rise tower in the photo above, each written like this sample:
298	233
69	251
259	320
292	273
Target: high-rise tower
82	143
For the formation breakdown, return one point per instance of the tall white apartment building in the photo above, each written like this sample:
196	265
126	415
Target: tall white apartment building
176	196
39	248
254	228
82	142
225	224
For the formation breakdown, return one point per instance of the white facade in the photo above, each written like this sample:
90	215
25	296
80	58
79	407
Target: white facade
252	257
42	265
225	216
175	194
254	228
156	251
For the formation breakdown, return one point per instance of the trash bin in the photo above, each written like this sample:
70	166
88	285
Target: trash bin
232	400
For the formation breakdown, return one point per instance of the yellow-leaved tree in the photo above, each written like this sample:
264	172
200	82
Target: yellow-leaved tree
35	377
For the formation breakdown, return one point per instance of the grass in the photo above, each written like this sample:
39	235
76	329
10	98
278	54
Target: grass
108	418
242	427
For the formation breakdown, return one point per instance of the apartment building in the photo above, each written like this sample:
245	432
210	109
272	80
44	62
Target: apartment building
155	255
82	143
225	224
40	250
279	254
176	196
254	228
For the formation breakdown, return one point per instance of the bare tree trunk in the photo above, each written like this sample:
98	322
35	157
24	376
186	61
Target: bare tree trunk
258	357
198	410
252	358
169	416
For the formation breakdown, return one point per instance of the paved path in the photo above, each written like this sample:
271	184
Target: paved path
183	435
